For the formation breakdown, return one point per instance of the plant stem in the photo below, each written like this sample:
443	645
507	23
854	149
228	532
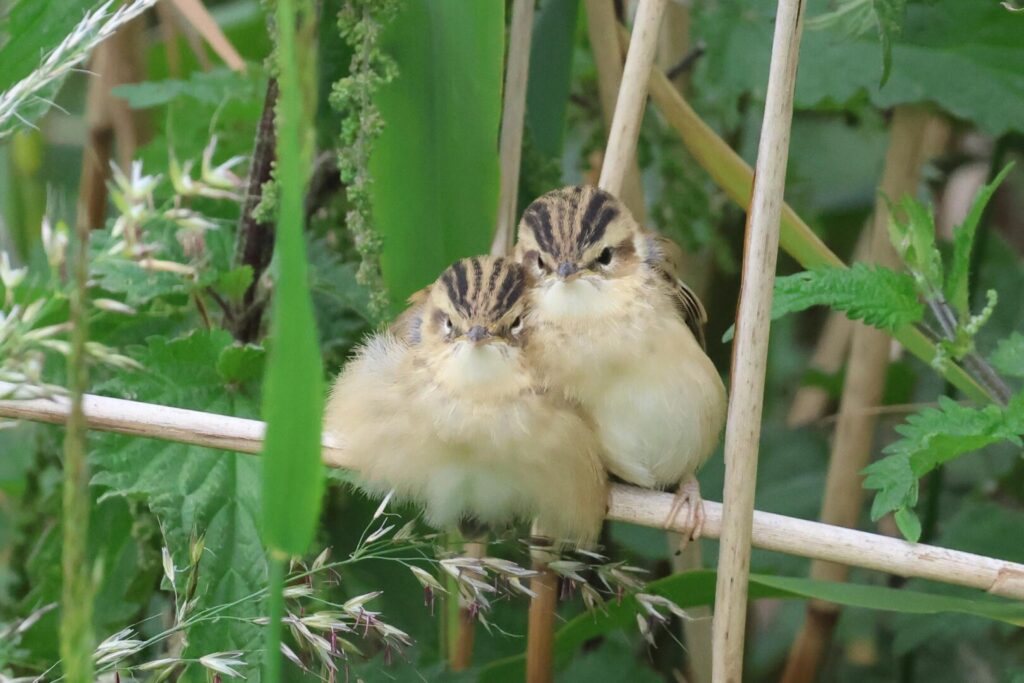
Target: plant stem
254	242
275	610
76	636
750	351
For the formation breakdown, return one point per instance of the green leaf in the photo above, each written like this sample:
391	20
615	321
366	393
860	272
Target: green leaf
895	482
238	363
208	87
234	283
912	232
435	165
694	588
547	88
888	19
930	438
32	29
971	77
293	475
1008	357
963	241
190	488
909	524
880	297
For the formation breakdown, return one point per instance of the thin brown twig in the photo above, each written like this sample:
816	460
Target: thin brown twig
254	241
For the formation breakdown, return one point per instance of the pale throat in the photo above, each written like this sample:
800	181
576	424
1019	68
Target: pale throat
484	370
580	298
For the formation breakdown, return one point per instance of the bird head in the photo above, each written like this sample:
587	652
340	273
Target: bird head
575	241
474	320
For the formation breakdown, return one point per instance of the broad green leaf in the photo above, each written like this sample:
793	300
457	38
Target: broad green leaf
1008	357
691	589
435	165
547	88
880	297
958	55
190	488
856	17
963	240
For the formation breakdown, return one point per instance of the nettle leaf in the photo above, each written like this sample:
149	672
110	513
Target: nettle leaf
878	296
912	232
208	87
1008	357
963	241
896	483
909	524
930	438
192	489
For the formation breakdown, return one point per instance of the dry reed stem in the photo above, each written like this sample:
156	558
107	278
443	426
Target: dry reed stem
602	29
865	382
626	503
200	18
512	116
116	61
750	351
632	98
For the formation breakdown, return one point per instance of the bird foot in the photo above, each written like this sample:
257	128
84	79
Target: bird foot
688	501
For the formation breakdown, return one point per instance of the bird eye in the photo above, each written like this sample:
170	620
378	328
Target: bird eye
540	263
517	325
448	325
605	257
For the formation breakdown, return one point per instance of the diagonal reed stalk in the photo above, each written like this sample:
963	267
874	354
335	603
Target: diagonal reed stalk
750	351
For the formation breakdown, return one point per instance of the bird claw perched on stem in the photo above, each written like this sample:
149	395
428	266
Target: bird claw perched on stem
689	501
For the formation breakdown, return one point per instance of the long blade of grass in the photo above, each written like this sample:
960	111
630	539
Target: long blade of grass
293	393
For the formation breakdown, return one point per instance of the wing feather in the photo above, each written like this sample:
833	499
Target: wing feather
668	260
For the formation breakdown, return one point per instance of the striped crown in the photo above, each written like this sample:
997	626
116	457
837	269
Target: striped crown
567	222
483	288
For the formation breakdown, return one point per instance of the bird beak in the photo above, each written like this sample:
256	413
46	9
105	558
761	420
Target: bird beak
566	270
477	333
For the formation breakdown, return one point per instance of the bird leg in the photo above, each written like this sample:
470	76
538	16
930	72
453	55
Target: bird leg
688	497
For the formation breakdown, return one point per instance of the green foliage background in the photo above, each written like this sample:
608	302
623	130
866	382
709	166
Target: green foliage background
949	470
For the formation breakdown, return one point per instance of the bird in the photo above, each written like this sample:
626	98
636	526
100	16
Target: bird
444	409
616	330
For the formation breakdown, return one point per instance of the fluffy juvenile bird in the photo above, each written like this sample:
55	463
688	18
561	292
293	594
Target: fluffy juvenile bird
616	329
445	409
